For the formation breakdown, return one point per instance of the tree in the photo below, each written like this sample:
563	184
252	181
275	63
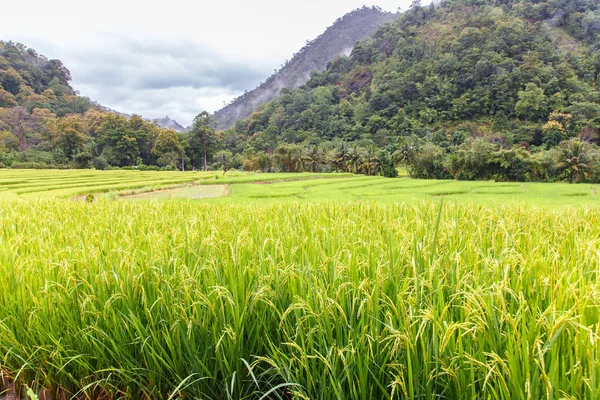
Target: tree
513	164
426	163
354	158
575	158
127	149
386	165
404	153
554	133
19	123
312	157
70	135
224	160
7	99
370	161
167	149
204	133
339	156
82	160
532	104
288	156
453	164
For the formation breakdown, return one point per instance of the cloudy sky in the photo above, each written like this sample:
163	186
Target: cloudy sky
175	57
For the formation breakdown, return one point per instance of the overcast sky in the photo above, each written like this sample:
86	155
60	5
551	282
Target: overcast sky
175	57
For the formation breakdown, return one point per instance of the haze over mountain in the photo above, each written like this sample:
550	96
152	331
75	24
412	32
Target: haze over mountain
168	123
337	40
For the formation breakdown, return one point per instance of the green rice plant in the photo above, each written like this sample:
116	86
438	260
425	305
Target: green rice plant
327	300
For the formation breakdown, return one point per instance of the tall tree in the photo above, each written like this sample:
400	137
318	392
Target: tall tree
70	135
168	149
19	123
532	104
204	133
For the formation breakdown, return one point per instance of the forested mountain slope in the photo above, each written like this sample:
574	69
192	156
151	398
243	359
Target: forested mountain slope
44	123
468	88
336	40
31	80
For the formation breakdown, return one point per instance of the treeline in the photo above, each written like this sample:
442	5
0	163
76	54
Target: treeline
340	157
467	89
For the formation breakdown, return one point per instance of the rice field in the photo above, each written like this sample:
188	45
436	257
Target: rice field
271	293
284	187
35	184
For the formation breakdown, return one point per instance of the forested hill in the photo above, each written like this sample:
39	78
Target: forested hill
44	123
336	40
31	80
449	87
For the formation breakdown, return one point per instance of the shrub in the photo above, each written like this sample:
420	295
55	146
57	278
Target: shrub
82	160
100	163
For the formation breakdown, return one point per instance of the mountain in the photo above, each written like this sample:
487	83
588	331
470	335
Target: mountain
44	123
168	123
338	39
165	122
486	89
30	80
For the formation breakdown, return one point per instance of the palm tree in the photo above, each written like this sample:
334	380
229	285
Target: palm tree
313	157
575	157
403	155
340	155
354	159
370	160
452	164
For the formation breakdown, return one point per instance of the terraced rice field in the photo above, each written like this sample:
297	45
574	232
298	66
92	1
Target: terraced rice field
34	184
194	192
297	287
252	187
382	190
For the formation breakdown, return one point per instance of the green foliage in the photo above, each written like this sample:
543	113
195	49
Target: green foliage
505	74
532	104
82	160
100	163
203	139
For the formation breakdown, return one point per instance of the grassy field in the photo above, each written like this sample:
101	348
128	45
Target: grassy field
411	191
282	187
300	289
35	184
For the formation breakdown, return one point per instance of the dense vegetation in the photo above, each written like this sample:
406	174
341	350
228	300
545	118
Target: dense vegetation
44	123
467	89
337	39
322	301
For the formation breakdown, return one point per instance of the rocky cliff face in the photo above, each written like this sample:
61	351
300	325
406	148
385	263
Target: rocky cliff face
337	40
168	123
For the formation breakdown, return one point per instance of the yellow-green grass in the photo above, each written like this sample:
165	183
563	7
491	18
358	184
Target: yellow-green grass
69	183
299	300
410	191
183	192
286	187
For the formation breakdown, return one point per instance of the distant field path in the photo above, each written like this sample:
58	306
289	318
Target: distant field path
186	192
